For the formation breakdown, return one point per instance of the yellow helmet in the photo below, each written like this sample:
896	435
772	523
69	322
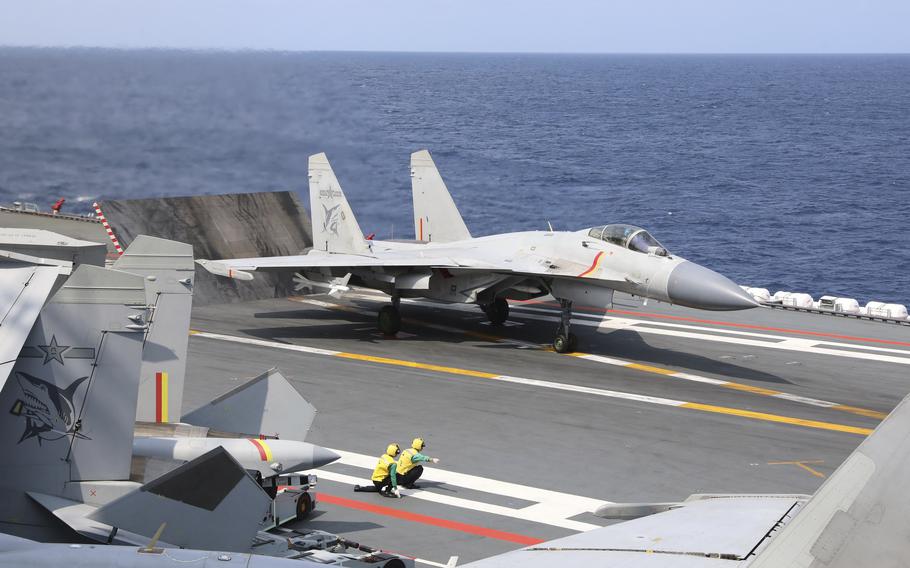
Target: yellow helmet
418	444
393	450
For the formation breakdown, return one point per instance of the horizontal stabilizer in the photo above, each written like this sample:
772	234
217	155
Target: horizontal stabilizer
208	503
222	268
74	514
436	218
265	405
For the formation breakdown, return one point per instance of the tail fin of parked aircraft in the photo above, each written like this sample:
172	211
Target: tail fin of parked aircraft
334	227
265	405
213	491
168	269
26	282
436	217
861	514
67	410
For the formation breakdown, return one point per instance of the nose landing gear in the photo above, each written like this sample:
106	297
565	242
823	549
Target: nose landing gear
565	341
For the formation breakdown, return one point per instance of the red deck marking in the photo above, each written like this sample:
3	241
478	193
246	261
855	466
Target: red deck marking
728	324
427	520
420	238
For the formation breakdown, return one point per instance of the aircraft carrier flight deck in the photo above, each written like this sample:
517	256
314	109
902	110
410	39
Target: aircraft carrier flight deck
659	402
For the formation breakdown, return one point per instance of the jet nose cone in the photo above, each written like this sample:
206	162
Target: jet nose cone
695	286
323	456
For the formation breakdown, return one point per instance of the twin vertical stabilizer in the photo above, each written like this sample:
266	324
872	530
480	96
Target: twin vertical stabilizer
334	227
436	218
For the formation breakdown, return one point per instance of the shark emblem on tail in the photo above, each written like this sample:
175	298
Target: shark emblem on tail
49	411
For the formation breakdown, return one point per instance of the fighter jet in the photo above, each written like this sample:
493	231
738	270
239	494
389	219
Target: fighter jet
860	516
447	264
81	343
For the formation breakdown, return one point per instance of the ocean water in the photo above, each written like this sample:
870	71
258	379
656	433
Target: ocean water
786	172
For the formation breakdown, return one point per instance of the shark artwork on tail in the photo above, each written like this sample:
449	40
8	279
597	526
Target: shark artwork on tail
49	412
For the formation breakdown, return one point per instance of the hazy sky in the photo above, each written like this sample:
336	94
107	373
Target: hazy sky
662	26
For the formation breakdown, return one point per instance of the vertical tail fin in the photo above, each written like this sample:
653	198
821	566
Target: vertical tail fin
861	514
334	227
168	269
436	217
67	412
26	282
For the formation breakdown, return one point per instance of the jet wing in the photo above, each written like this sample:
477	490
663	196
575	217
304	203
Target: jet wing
714	532
237	267
530	267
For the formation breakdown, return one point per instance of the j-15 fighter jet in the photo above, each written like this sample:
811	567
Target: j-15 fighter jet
445	263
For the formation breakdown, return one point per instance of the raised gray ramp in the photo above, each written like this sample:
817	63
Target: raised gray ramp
221	226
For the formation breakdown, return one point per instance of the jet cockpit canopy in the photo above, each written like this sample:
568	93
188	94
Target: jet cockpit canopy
630	237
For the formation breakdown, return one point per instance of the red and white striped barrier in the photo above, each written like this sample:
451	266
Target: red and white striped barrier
107	227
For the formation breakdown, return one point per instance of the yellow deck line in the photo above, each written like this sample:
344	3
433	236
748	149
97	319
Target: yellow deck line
546	384
416	365
777	418
641	367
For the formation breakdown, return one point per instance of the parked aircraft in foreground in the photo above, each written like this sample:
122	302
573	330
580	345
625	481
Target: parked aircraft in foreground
446	264
860	516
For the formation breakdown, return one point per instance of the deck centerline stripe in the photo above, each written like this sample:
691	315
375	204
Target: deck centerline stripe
541	383
428	520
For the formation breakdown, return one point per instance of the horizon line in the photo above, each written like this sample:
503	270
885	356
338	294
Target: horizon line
429	52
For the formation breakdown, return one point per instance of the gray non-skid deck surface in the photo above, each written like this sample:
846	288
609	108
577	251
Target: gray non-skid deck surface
600	447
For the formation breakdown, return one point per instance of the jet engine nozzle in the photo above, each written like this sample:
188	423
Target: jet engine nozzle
695	286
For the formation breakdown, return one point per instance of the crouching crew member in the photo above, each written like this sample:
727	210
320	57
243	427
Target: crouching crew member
409	467
385	477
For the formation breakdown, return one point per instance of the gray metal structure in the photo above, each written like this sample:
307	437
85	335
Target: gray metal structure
168	269
42	243
74	368
860	516
69	403
16	552
26	282
581	268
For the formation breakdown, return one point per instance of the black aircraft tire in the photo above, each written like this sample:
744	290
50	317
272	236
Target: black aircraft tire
573	342
305	506
389	320
497	311
561	344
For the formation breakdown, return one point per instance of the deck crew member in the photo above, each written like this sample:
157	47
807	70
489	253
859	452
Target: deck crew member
409	468
385	476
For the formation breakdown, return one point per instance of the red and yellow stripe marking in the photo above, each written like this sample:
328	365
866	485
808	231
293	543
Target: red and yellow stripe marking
265	452
161	397
420	237
594	265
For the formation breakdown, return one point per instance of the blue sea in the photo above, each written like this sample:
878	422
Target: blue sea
785	172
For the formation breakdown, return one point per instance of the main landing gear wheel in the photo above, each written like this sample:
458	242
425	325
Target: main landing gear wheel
305	506
389	320
497	311
565	341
